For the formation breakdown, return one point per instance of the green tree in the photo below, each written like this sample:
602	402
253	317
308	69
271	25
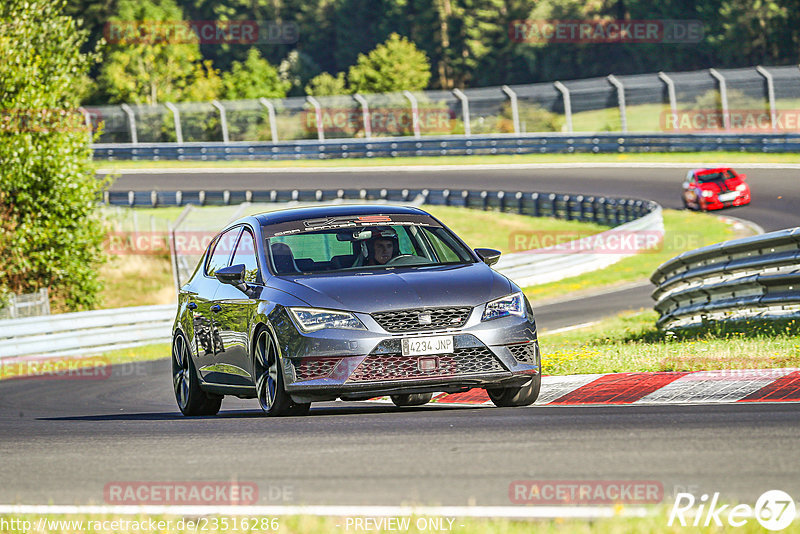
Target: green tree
50	235
153	56
326	84
395	65
253	78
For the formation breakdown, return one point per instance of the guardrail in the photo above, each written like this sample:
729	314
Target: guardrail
610	211
751	277
86	332
450	145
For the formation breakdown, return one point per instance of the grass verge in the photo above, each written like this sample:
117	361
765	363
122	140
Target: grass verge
649	157
683	230
630	342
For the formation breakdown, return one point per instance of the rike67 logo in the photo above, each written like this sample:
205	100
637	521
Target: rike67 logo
774	510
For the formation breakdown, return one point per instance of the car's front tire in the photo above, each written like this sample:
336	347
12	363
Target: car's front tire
191	399
411	399
270	391
524	395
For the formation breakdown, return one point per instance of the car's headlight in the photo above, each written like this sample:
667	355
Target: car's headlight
510	305
313	319
706	193
741	187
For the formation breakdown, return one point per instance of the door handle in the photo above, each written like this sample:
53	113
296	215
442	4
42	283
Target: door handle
192	306
215	308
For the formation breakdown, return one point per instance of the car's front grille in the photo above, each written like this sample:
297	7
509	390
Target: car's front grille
464	361
524	352
311	368
421	319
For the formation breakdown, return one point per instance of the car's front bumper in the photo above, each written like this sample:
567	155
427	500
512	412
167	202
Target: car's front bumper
356	364
714	203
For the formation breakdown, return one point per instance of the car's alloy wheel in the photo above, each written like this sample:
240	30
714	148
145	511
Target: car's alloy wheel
269	380
192	400
517	396
412	399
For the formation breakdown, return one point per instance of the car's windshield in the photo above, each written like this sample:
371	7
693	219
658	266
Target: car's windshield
361	242
715	176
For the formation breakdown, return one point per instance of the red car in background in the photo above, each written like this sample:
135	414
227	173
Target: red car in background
714	189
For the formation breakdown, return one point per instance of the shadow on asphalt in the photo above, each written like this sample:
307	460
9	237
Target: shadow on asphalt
252	414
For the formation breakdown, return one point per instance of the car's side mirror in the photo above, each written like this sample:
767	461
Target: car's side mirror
489	256
233	275
743	176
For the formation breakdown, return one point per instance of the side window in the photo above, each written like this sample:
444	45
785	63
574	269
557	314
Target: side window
246	254
222	251
445	253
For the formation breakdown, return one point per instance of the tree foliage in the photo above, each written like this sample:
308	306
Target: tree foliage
326	84
253	78
49	235
469	42
395	65
148	61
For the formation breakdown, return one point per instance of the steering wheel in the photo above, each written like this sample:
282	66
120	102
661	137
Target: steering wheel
407	259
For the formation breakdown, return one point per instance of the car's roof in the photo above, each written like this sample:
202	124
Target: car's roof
313	212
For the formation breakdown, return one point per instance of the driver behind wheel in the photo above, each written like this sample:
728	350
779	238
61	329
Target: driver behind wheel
382	247
382	250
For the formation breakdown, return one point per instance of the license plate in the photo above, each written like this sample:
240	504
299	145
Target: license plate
727	197
418	346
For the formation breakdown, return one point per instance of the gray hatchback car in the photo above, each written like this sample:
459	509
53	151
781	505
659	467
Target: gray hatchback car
352	302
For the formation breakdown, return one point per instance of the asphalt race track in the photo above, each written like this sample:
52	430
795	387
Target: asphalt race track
65	440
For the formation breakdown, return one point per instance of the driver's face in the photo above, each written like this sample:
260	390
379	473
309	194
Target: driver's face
384	248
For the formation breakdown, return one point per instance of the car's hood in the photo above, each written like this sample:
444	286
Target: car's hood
370	291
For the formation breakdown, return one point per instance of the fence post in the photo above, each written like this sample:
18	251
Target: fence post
223	120
176	120
45	300
623	116
673	100
773	114
87	120
565	96
273	127
723	95
464	110
512	97
414	112
365	115
318	114
131	123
